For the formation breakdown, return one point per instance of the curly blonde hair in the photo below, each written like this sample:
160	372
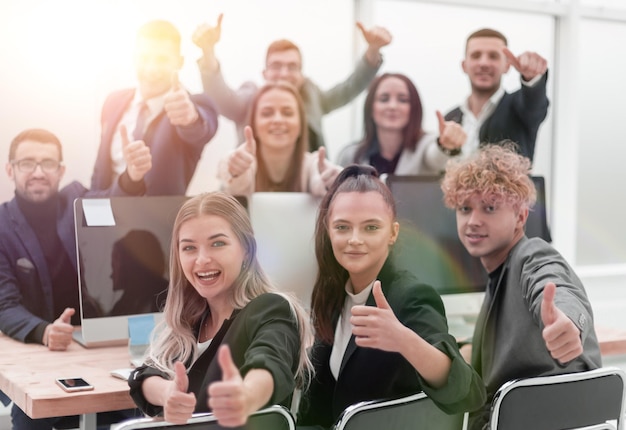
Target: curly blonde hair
496	172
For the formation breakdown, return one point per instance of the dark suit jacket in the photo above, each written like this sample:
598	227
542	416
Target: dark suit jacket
369	374
508	342
25	284
517	117
264	334
175	150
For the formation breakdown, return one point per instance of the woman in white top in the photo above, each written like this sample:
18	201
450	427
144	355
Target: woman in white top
394	141
274	156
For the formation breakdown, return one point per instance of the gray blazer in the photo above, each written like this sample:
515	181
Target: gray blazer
508	342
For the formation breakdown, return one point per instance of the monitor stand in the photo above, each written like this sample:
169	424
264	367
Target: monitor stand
78	337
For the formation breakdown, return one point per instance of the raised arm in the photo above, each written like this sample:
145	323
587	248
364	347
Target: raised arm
231	104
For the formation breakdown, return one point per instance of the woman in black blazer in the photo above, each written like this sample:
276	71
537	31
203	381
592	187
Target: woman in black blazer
379	332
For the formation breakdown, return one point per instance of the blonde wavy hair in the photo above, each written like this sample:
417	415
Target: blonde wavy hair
496	172
173	339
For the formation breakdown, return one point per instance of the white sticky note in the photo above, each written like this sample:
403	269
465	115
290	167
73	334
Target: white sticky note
98	212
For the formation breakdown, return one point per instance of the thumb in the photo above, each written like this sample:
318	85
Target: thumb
225	360
512	58
548	309
175	82
442	122
321	160
67	314
219	21
379	297
361	27
124	135
181	380
250	142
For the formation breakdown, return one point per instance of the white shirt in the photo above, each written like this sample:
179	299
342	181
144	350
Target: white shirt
343	331
129	119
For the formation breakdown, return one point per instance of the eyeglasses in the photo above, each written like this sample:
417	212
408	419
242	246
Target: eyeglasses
28	166
278	66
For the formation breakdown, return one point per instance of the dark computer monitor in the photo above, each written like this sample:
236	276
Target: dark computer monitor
428	244
123	258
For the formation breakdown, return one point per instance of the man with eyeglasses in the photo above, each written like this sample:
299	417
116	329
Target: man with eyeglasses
39	292
284	62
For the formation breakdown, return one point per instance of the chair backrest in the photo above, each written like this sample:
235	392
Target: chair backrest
414	412
592	399
274	417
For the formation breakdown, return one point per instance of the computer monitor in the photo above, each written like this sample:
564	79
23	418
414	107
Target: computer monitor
123	258
429	247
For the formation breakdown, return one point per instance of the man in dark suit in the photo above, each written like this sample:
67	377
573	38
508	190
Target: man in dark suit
490	114
174	124
536	318
39	292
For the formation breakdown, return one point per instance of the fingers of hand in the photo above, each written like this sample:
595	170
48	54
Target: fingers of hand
563	340
179	407
452	136
179	108
227	401
240	161
532	64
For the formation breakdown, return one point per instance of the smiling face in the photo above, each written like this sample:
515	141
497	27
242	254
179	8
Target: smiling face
392	105
361	228
277	123
211	257
35	186
156	63
489	230
485	63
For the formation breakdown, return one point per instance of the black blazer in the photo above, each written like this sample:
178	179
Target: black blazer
264	334
517	117
368	374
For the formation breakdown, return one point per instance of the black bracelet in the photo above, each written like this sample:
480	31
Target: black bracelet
448	152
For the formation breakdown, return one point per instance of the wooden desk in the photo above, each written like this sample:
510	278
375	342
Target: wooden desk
612	341
28	373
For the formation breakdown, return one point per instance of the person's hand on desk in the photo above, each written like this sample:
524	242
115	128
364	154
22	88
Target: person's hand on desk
58	335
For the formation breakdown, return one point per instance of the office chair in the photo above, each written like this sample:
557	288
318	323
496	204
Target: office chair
416	411
592	399
274	417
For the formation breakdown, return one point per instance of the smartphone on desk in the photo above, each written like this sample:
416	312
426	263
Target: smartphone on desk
74	384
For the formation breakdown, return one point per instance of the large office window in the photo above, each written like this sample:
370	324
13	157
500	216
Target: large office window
601	174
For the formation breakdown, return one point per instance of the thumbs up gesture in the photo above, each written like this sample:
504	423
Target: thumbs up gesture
528	64
376	38
137	156
179	404
58	335
228	398
328	172
178	105
206	36
377	327
451	134
560	334
242	158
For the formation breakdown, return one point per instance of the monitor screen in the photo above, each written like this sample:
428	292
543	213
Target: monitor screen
123	258
428	244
